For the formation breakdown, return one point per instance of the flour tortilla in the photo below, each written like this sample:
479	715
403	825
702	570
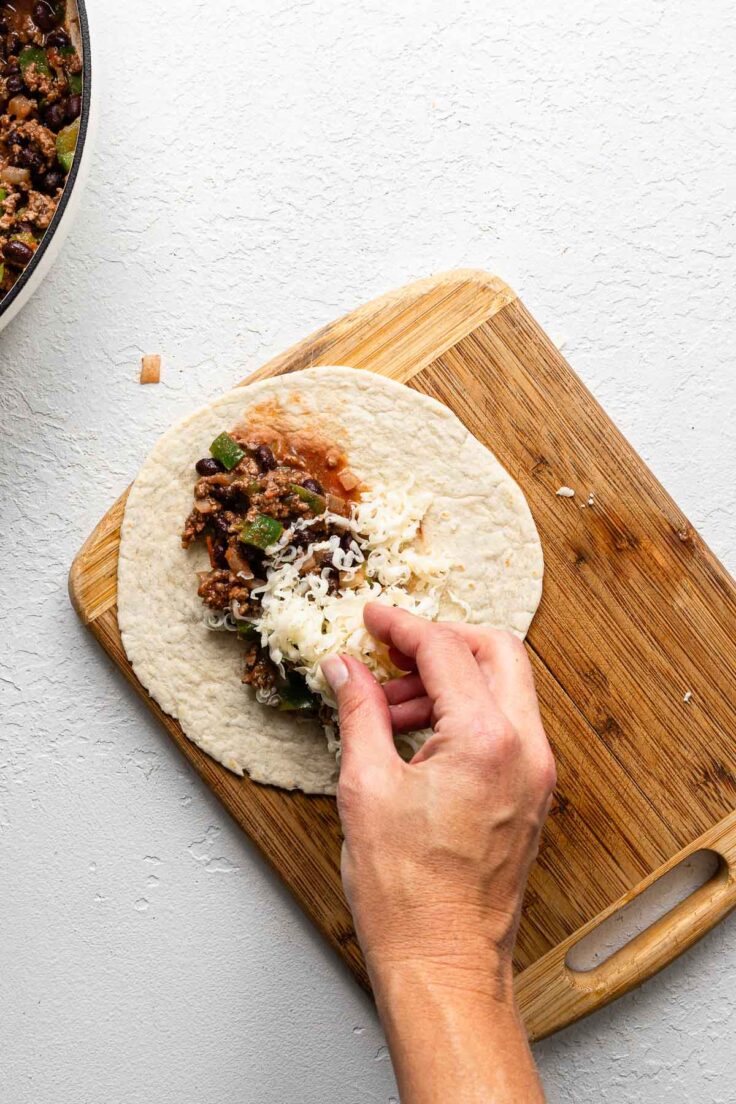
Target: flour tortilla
479	516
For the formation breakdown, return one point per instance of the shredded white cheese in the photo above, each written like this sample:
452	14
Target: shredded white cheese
301	622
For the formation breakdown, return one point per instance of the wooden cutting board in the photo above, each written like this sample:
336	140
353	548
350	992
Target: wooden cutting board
636	612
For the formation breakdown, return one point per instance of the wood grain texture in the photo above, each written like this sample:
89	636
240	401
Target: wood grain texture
636	610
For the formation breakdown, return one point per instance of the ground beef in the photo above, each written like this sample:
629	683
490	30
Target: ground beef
38	82
220	588
34	136
194	527
276	497
262	483
8	210
259	672
40	209
59	61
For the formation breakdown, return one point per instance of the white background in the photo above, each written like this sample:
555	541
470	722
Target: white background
262	167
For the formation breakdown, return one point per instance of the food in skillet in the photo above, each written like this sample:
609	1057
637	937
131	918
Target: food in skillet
40	109
302	498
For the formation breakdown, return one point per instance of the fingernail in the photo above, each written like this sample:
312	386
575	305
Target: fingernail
335	671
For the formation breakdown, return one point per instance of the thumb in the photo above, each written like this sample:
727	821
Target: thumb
365	721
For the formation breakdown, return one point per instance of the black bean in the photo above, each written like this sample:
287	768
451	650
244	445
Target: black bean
11	69
254	557
208	465
265	458
14	84
29	158
312	485
13	44
224	493
333	580
23	228
52	181
3	26
220	525
55	116
219	548
58	38
17	253
346	540
44	15
74	107
301	538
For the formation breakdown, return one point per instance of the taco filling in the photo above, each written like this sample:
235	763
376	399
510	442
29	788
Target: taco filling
297	545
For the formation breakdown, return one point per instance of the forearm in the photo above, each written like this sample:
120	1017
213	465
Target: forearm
455	1039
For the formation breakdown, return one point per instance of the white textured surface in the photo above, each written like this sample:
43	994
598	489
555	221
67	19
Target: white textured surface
584	151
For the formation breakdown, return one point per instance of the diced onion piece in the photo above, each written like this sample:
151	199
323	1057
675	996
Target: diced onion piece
337	505
20	107
348	480
151	368
11	174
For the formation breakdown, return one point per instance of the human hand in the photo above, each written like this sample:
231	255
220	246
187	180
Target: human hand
437	851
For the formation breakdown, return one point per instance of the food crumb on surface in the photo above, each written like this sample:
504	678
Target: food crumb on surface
565	492
151	368
591	499
687	695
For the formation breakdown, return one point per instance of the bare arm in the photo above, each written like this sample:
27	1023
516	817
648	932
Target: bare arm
437	851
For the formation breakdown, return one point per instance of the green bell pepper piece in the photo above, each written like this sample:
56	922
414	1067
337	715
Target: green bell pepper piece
2	273
294	694
66	143
3	194
248	631
34	55
227	450
317	503
262	532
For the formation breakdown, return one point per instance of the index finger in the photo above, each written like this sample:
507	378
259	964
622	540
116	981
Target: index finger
447	667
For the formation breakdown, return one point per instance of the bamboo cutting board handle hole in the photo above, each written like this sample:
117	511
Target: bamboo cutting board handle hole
552	994
651	905
663	940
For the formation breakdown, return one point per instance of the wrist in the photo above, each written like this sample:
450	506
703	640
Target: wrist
455	1025
481	978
